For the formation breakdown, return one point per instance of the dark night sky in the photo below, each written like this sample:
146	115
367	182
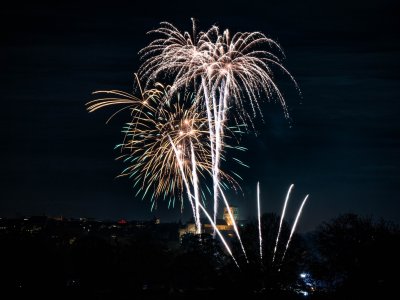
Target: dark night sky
342	148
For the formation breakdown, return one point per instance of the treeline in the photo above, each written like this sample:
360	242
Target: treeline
349	257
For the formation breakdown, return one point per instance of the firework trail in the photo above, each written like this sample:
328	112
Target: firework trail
219	234
259	219
180	162
212	142
234	223
294	226
281	220
196	189
223	70
178	155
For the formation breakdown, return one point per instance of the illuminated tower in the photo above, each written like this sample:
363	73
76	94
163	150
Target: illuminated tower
227	217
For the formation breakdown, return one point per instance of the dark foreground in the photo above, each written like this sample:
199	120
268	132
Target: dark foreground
350	257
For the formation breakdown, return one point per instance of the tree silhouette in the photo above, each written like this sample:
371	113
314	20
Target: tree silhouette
198	262
358	256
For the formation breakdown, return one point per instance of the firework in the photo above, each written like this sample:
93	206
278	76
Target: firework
219	67
222	70
280	222
195	182
198	204
233	223
259	219
152	162
155	120
181	162
177	133
219	234
294	226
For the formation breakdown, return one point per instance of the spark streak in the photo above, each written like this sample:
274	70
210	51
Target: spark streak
196	189
259	219
281	221
294	226
234	223
219	234
180	164
190	196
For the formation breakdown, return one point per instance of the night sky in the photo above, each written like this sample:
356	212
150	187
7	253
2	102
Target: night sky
341	146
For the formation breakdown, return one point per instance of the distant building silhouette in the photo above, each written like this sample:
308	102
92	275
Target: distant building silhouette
225	225
235	213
